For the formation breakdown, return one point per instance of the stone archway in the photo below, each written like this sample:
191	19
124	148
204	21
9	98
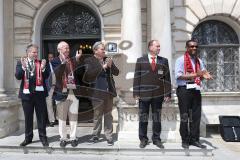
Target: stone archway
73	22
80	27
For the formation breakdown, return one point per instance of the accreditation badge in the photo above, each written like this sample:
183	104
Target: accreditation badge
160	71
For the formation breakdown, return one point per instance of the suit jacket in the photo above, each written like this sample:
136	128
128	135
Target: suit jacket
94	69
19	74
148	83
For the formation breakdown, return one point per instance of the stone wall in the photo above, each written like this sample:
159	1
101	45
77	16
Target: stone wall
9	116
186	15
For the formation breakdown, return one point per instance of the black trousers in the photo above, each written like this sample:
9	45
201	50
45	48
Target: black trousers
37	102
190	104
156	106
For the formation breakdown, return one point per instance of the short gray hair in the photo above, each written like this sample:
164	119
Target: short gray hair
30	46
96	45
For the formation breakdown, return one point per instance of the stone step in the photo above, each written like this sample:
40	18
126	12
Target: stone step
11	143
117	149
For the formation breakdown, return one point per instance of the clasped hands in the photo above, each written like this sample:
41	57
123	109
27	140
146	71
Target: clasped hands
24	62
108	63
204	74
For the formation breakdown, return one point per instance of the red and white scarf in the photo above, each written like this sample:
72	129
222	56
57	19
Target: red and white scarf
188	68
68	77
39	79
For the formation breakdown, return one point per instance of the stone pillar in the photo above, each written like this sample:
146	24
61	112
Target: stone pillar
131	32
132	28
9	60
9	105
161	31
131	39
161	27
1	50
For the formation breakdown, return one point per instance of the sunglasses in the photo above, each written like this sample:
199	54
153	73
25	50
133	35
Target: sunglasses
193	46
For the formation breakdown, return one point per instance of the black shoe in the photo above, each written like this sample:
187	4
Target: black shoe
74	143
94	139
110	142
197	144
55	122
25	142
51	124
45	143
158	144
185	145
143	143
63	143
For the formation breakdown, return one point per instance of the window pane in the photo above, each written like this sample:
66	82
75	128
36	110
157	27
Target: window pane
229	69
219	50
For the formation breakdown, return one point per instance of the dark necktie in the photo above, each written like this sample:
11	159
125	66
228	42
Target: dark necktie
153	64
31	64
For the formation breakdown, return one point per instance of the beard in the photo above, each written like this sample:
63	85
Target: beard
193	54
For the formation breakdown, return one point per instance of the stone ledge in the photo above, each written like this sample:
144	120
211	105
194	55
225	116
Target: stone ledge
119	149
11	103
221	94
11	144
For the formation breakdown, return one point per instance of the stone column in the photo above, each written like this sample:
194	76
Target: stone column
161	27
131	39
1	50
161	30
131	32
132	28
8	105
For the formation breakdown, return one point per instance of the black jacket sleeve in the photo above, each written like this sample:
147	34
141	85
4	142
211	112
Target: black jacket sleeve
19	71
137	79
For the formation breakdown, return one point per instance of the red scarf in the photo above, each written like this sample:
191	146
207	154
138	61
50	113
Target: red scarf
188	68
39	79
68	76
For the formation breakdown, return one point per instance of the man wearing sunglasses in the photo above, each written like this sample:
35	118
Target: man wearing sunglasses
189	72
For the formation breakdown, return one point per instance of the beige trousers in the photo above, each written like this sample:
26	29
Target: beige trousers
51	117
68	108
103	109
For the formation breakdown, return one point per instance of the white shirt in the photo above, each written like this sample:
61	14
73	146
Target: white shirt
150	58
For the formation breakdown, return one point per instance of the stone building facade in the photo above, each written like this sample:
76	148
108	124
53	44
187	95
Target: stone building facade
130	24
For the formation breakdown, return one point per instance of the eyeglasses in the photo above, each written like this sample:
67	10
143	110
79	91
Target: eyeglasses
193	46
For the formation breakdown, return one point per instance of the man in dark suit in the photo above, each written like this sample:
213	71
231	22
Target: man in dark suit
99	72
152	85
33	92
64	92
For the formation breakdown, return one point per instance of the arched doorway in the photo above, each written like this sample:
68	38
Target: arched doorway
80	27
219	50
73	22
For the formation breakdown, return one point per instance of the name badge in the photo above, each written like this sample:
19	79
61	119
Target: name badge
193	86
160	71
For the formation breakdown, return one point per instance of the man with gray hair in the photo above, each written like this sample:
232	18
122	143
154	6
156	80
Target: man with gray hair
99	73
67	103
